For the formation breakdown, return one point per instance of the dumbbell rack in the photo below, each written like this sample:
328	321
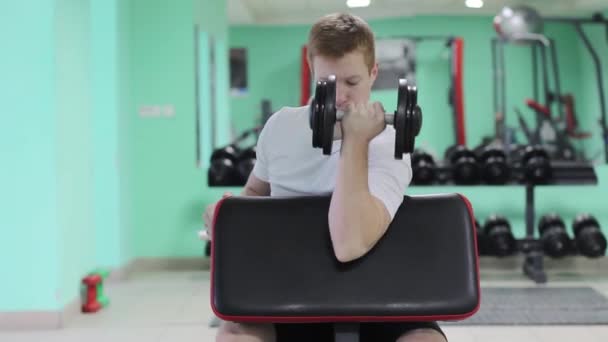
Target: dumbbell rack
563	173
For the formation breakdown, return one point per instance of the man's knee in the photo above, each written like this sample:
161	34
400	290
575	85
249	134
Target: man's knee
422	335
239	332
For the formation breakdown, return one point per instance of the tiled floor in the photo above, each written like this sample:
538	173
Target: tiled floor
174	307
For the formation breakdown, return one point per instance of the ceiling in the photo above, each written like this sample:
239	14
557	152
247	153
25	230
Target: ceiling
277	12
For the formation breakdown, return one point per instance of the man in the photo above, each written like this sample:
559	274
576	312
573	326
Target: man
366	182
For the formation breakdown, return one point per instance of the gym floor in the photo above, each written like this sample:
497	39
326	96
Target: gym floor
155	306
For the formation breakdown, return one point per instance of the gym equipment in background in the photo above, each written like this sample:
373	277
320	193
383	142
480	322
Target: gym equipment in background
407	119
499	238
266	111
522	25
456	96
90	283
463	164
482	243
533	162
490	165
231	164
495	168
495	238
223	168
423	168
589	238
519	23
553	236
245	162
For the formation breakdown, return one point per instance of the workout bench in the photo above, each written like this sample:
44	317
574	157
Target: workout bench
273	262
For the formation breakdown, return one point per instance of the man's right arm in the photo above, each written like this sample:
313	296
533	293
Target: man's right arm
256	187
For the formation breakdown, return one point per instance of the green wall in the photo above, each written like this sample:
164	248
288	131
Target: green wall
168	188
62	189
74	145
110	90
28	144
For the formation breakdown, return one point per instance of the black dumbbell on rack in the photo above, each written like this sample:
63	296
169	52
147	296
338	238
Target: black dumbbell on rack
423	168
553	236
245	162
499	238
407	119
463	164
494	165
590	241
223	168
231	165
533	163
482	244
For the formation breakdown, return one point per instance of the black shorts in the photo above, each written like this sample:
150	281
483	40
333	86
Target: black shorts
368	332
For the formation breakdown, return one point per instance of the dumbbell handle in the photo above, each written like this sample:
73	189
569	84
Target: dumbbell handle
388	117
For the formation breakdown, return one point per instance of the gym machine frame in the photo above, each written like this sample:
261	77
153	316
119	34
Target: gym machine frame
499	75
597	18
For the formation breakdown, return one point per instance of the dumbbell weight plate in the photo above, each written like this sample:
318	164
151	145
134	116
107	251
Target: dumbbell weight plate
537	164
399	120
590	240
553	236
495	169
423	167
409	122
316	109
329	117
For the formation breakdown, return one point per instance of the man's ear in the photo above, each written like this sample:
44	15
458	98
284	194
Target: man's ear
374	72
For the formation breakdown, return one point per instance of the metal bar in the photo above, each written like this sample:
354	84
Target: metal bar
503	72
494	76
558	92
547	103
530	211
212	88
535	72
197	105
593	20
600	85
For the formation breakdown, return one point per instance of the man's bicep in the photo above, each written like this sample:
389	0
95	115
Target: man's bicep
388	181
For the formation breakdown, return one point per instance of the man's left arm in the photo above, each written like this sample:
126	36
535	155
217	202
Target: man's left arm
368	192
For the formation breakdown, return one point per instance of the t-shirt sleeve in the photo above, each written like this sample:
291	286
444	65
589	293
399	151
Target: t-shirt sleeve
388	178
260	168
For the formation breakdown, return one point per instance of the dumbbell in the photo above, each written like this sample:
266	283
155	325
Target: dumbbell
535	163
245	162
423	168
494	166
223	169
463	164
589	238
208	249
499	238
407	119
553	235
482	244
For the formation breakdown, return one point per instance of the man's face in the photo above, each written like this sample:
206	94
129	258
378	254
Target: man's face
353	79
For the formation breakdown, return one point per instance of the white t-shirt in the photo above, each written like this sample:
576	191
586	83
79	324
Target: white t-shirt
287	160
